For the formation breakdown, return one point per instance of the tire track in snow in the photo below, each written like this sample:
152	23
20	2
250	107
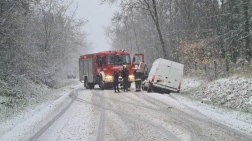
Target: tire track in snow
200	118
100	133
205	119
130	119
72	95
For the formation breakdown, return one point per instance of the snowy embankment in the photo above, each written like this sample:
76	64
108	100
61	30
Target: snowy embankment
19	94
233	92
34	117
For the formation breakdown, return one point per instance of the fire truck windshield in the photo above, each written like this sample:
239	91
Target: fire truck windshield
118	59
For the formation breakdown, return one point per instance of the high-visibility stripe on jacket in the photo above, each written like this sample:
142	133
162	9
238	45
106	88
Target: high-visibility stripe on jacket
138	75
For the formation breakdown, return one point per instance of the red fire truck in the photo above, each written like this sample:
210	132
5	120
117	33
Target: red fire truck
99	68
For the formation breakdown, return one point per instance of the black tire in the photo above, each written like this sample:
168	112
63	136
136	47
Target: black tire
89	86
148	90
101	83
85	82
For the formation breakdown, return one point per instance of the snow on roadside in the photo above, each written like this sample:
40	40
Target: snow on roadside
33	115
233	92
20	94
234	119
190	83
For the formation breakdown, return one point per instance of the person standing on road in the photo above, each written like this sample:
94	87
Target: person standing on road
115	81
125	75
138	80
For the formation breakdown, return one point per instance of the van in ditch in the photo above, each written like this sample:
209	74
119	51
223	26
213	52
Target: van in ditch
164	76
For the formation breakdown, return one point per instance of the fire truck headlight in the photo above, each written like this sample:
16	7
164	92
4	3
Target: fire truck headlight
108	77
131	76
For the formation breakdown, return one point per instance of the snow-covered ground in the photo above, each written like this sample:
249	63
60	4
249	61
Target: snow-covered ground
81	114
190	83
40	109
21	95
233	92
233	119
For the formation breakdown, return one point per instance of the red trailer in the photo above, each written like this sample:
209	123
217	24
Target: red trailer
98	68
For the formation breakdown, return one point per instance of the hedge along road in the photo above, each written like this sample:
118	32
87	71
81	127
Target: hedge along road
105	115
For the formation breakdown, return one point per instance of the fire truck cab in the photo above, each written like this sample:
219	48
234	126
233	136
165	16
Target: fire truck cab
99	68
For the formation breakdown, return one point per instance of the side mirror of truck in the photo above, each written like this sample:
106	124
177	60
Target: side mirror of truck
134	59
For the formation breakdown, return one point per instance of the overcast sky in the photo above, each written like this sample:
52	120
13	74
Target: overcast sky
98	16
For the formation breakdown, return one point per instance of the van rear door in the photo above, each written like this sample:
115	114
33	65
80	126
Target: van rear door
163	71
175	76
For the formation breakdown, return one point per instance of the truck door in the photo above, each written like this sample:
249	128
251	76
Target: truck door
97	65
103	63
137	59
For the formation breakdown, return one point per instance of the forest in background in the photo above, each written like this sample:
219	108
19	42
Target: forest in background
40	43
210	37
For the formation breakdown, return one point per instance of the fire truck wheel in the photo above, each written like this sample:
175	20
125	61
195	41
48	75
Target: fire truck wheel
85	82
101	83
90	86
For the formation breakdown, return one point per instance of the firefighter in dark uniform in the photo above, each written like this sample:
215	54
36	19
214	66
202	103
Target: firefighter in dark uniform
115	81
138	78
125	76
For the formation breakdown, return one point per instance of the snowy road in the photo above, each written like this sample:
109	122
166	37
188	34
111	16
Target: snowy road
104	115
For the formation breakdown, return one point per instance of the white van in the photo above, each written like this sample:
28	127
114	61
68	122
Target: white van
165	76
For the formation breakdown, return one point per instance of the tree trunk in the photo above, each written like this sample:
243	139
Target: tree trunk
246	29
215	69
134	30
156	20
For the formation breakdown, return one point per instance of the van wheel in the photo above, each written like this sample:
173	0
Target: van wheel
168	92
145	88
148	90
